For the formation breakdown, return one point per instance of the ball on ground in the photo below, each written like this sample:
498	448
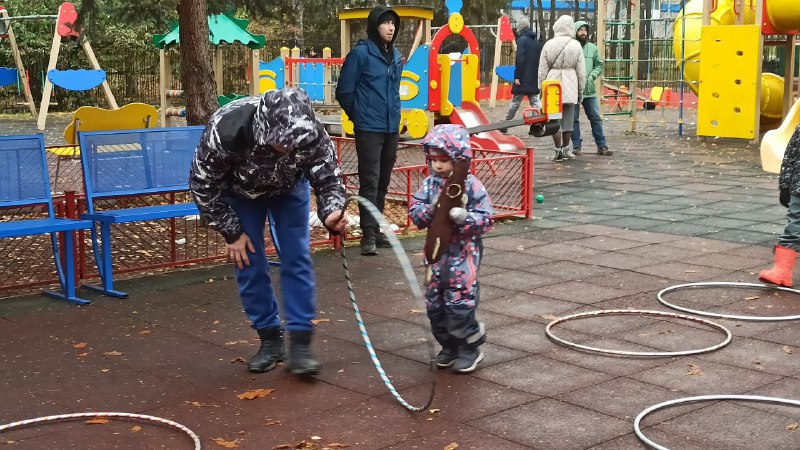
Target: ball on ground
539	198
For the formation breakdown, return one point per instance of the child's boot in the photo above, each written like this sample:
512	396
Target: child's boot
782	269
468	359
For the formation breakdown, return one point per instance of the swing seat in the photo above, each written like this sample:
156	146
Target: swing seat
505	72
8	76
77	80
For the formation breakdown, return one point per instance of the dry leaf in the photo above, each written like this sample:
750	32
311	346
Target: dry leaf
216	322
258	393
435	411
145	332
136	428
227	444
272	422
200	405
417	311
238	360
113	353
451	446
788	350
83	354
694	370
316	321
755	297
80	345
315	438
793	426
548	317
97	421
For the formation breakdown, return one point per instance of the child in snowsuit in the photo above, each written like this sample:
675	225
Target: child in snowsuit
453	290
788	244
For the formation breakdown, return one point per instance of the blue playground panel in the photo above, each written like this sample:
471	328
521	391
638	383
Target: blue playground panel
274	69
311	80
417	65
77	80
8	76
583	5
456	86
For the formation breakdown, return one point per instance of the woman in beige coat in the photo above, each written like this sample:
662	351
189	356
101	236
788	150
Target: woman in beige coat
562	60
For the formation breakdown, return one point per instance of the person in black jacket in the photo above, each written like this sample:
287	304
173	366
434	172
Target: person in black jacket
788	244
369	93
526	68
256	158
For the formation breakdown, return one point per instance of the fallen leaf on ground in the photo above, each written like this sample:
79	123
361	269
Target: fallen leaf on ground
113	353
755	297
788	350
258	393
337	445
238	360
417	311
227	444
315	438
435	411
97	421
145	332
548	317
792	426
694	370
83	354
80	345
216	322
136	428
272	422
198	404
316	321
451	446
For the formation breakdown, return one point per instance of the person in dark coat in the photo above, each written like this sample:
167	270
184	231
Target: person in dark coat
526	68
369	93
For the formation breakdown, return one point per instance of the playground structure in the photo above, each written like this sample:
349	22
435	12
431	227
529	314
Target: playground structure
223	29
70	79
9	76
437	88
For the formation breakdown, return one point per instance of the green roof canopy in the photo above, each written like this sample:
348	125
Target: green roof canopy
223	29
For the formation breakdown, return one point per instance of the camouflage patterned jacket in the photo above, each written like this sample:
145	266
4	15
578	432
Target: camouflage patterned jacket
261	146
790	168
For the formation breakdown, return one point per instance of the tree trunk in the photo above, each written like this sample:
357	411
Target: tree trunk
197	74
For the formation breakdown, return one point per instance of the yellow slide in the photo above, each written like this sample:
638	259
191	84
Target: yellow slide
689	24
774	143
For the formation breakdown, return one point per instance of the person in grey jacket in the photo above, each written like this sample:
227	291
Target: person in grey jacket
256	158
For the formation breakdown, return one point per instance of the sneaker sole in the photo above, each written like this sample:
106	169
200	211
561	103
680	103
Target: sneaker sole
444	366
268	368
474	365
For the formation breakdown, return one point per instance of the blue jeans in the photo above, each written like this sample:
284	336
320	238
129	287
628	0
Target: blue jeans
290	215
592	107
791	234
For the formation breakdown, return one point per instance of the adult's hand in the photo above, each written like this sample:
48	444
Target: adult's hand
785	196
337	222
237	251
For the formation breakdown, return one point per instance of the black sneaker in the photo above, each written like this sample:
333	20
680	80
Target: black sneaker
368	247
559	156
604	151
468	360
447	356
381	241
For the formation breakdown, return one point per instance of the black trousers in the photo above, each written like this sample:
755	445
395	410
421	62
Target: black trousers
377	153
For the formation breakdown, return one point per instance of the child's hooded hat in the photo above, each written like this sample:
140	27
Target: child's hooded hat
452	140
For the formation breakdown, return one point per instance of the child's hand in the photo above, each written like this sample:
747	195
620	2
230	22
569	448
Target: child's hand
458	215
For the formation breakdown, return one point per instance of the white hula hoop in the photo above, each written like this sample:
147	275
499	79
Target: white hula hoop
638	312
722	315
702	398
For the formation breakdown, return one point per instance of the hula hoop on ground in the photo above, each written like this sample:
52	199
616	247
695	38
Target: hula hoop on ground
722	315
116	415
408	271
702	398
638	312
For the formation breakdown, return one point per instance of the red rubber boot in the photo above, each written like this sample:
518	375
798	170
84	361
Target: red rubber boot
782	269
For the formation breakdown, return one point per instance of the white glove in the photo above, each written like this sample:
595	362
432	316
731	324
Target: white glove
458	215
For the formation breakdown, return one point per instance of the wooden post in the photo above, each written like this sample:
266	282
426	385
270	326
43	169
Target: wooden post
601	46
295	68
635	18
498	49
327	78
96	66
48	85
344	37
26	82
218	66
164	83
255	83
707	12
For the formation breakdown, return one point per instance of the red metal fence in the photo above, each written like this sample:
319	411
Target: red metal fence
141	247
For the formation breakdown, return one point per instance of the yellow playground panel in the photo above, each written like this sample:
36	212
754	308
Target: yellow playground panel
129	117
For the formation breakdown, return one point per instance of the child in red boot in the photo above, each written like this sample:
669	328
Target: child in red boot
789	243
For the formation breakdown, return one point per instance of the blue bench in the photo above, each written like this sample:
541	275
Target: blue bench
24	182
133	163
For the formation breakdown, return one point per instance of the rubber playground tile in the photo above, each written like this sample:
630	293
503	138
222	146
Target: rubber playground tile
632	442
631	281
673	335
769	357
617	260
606	243
682	271
465	436
511	243
528	337
510	260
580	292
570	270
563	251
664	252
610	364
703	377
542	376
494	354
728	261
560	235
529	307
532	425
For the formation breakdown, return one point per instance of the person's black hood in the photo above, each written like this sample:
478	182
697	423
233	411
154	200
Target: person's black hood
376	17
